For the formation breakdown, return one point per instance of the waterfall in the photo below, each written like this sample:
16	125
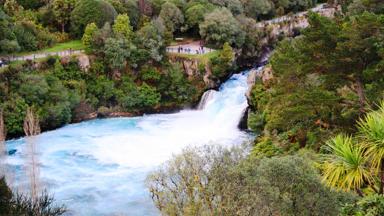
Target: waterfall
99	167
206	98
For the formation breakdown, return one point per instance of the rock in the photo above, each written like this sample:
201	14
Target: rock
83	111
266	74
83	62
12	152
207	77
251	80
119	114
65	60
191	67
243	124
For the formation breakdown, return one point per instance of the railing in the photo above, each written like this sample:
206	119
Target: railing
41	55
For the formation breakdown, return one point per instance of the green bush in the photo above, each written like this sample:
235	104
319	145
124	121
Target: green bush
371	205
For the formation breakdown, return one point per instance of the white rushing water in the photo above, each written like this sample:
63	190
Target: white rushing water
98	167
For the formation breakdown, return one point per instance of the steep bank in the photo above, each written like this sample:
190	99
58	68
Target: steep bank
87	165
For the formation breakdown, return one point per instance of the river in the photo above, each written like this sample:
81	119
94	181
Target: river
99	167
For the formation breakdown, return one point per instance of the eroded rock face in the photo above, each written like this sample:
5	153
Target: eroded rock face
251	80
192	69
266	74
83	61
207	77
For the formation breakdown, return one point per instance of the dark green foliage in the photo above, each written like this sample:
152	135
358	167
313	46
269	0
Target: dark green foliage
129	7
290	186
54	94
14	114
100	91
265	148
220	27
150	42
223	64
359	6
175	87
252	47
148	96
5	197
31	4
18	204
213	180
371	205
8	42
23	35
91	11
323	80
256	121
194	15
150	75
116	52
135	97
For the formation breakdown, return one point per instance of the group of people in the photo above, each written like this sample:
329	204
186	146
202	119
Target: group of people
180	49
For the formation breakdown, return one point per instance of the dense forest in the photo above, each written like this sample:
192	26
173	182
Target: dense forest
126	41
318	120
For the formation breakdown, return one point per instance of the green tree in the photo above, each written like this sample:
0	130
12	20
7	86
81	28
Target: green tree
62	10
175	87
212	180
357	163
148	96
89	34
172	16
371	129
12	8
101	91
31	4
122	27
346	166
8	41
14	113
359	6
116	52
259	9
235	6
151	41
194	15
252	47
224	62
219	27
91	11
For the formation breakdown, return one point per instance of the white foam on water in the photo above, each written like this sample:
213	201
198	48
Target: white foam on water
98	167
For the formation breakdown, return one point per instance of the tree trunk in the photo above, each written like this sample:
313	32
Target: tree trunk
359	192
31	129
62	27
381	190
302	137
361	95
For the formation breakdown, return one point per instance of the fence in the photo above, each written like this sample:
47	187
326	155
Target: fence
42	55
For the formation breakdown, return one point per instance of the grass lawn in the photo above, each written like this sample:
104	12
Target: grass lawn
202	57
74	45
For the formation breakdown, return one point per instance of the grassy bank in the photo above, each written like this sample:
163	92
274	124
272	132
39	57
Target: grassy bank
74	45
